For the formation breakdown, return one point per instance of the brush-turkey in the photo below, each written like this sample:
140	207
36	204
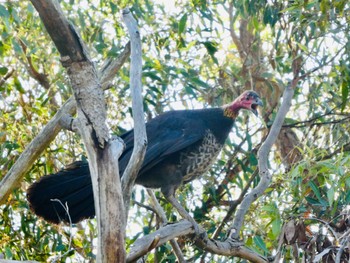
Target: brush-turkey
182	145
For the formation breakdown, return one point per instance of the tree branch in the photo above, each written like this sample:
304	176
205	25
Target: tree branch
103	152
6	77
111	66
34	149
60	30
183	228
160	212
140	136
265	176
32	152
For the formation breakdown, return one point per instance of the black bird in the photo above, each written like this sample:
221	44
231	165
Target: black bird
182	145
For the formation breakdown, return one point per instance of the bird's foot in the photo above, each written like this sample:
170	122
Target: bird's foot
195	227
198	232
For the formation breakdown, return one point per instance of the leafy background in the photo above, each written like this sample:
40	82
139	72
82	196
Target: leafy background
196	54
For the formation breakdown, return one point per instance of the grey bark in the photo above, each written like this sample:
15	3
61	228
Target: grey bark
184	228
263	154
140	136
36	147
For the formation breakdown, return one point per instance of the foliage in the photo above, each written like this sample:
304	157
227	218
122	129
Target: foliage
196	54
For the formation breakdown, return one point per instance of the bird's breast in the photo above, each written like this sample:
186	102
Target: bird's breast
198	159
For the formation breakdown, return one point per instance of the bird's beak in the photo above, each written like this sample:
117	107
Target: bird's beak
258	102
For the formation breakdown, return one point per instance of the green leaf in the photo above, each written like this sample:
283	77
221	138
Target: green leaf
199	82
16	46
3	12
344	94
8	252
259	242
347	198
182	24
18	85
3	70
256	23
312	201
60	247
212	48
253	160
5	15
276	226
114	7
330	196
315	189
269	208
152	75
302	47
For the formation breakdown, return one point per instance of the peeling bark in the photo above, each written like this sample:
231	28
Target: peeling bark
103	153
90	100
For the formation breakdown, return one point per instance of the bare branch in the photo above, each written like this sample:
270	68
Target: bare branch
163	235
140	136
183	228
34	149
6	77
263	160
233	34
103	152
90	100
32	152
234	205
60	30
41	78
111	66
160	212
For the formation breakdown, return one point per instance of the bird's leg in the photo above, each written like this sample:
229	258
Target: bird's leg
168	191
183	212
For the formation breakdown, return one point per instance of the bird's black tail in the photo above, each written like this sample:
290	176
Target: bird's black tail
72	187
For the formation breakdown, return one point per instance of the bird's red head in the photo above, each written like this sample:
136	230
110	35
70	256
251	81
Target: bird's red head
248	100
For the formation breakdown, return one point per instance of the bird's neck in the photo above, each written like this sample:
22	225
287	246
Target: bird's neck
231	111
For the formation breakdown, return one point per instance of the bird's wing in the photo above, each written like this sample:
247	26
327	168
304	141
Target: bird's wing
165	137
170	140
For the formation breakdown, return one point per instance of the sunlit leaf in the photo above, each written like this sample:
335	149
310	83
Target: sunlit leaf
182	23
276	226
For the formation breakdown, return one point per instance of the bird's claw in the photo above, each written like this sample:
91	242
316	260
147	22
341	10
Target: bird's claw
195	228
198	232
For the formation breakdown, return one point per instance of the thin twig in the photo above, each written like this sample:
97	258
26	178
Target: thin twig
344	243
147	207
324	223
6	77
160	213
66	208
234	205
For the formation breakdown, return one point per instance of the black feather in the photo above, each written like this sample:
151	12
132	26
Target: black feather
181	146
